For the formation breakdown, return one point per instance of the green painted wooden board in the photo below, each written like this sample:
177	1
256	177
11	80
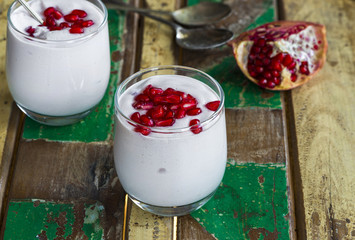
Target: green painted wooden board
40	219
251	203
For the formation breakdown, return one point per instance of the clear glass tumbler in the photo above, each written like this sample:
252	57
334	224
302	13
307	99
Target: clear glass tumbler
58	82
170	170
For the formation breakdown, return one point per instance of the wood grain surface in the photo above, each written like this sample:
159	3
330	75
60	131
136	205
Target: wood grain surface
324	115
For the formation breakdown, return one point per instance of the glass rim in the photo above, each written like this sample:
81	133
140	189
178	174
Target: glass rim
206	121
82	38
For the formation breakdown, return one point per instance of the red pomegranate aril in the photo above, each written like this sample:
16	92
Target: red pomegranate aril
304	69
213	106
55	28
270	84
136	117
293	77
71	18
153	91
193	112
142	98
76	30
276	80
195	128
173	98
50	21
287	60
49	11
80	13
87	23
64	25
180	113
279	57
261	42
188	104
169	114
259	69
255	49
30	30
292	65
276	65
165	122
253	74
57	15
275	73
143	105
146	90
263	82
145	120
169	91
157	112
267	75
143	130
266	61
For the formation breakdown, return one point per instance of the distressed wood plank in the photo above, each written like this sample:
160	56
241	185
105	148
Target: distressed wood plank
157	49
324	117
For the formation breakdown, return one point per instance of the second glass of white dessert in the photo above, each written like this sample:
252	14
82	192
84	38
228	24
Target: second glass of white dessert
58	71
170	145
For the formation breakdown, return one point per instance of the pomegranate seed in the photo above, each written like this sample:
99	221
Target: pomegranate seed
55	28
173	98
50	21
188	104
30	30
259	69
195	128
169	91
181	113
143	130
315	47
64	25
258	62
71	17
261	42
255	49
169	114
157	112
287	60
57	15
267	75
276	65
175	107
253	74
49	11
142	98
279	57
146	90
193	112
136	117
165	122
292	65
76	30
155	91
275	73
263	82
213	106
143	105
80	13
293	77
304	69
145	120
276	80
266	61
270	84
87	23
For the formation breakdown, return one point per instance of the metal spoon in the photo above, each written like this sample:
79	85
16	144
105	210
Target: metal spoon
196	38
31	11
203	13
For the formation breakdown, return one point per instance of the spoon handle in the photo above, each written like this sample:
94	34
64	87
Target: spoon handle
125	7
29	9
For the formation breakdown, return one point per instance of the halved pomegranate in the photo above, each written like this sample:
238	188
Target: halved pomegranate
281	55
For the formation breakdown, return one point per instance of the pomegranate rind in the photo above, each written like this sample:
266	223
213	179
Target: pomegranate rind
243	43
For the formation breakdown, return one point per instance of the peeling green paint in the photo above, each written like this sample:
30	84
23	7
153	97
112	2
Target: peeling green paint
39	219
251	203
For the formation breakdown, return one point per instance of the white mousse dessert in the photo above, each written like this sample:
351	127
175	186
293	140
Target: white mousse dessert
60	67
164	162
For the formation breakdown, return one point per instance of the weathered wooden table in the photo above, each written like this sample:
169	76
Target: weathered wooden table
291	167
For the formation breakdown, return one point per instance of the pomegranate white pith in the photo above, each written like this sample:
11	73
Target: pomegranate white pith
281	55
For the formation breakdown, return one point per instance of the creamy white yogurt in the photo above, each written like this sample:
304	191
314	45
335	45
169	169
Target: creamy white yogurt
57	73
171	169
